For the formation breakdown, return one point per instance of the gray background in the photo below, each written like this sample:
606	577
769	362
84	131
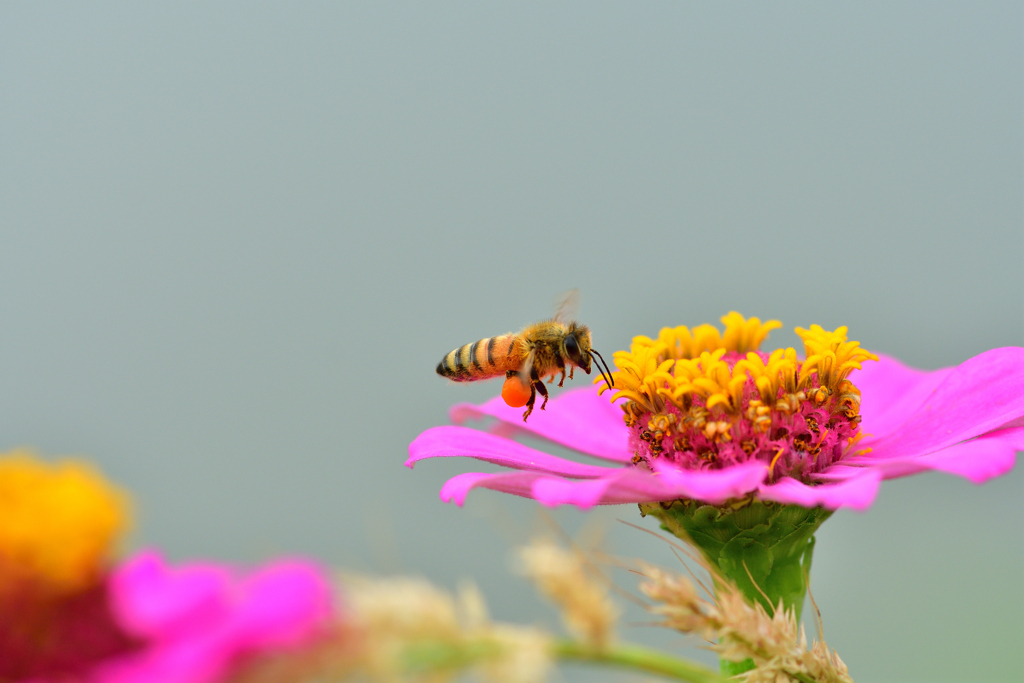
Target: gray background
236	240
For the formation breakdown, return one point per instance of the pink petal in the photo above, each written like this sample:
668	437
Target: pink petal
838	472
712	486
554	491
977	460
627	485
276	606
891	392
638	486
857	492
516	483
450	441
980	395
578	419
284	603
187	661
153	600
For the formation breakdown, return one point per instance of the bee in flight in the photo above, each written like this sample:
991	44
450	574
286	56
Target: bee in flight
526	358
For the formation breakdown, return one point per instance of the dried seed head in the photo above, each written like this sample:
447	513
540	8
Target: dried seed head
397	618
402	608
740	630
565	578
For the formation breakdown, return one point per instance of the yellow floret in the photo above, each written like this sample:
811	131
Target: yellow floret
710	378
58	522
682	364
641	372
680	342
830	356
743	335
778	371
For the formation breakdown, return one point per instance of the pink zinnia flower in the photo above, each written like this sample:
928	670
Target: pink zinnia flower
67	612
706	416
196	621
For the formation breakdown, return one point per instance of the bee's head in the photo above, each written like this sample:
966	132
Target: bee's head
577	346
577	349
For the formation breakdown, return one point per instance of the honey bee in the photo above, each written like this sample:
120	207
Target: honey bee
527	357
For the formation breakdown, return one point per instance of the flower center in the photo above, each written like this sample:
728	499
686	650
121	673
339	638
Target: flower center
705	399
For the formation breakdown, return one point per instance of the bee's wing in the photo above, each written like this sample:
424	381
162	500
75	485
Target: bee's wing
568	306
524	372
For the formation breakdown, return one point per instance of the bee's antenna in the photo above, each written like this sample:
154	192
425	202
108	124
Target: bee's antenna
606	374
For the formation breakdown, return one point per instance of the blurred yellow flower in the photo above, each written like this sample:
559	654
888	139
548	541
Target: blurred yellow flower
58	523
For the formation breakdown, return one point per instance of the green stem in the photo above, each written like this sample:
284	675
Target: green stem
638	658
764	548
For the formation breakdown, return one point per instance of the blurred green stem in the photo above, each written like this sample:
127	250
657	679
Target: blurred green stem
638	658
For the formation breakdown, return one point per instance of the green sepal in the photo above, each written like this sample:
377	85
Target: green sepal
750	542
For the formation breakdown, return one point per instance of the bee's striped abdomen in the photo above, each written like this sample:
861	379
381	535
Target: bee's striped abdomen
481	359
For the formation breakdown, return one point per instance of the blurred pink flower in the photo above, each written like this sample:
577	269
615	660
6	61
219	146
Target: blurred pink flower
967	420
196	620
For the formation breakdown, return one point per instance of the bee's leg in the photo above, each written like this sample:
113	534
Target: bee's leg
571	368
536	385
561	366
543	392
529	404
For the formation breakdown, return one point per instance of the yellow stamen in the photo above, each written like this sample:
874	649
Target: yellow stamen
680	342
640	374
682	365
778	454
662	424
768	375
58	522
742	335
708	377
853	441
830	356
